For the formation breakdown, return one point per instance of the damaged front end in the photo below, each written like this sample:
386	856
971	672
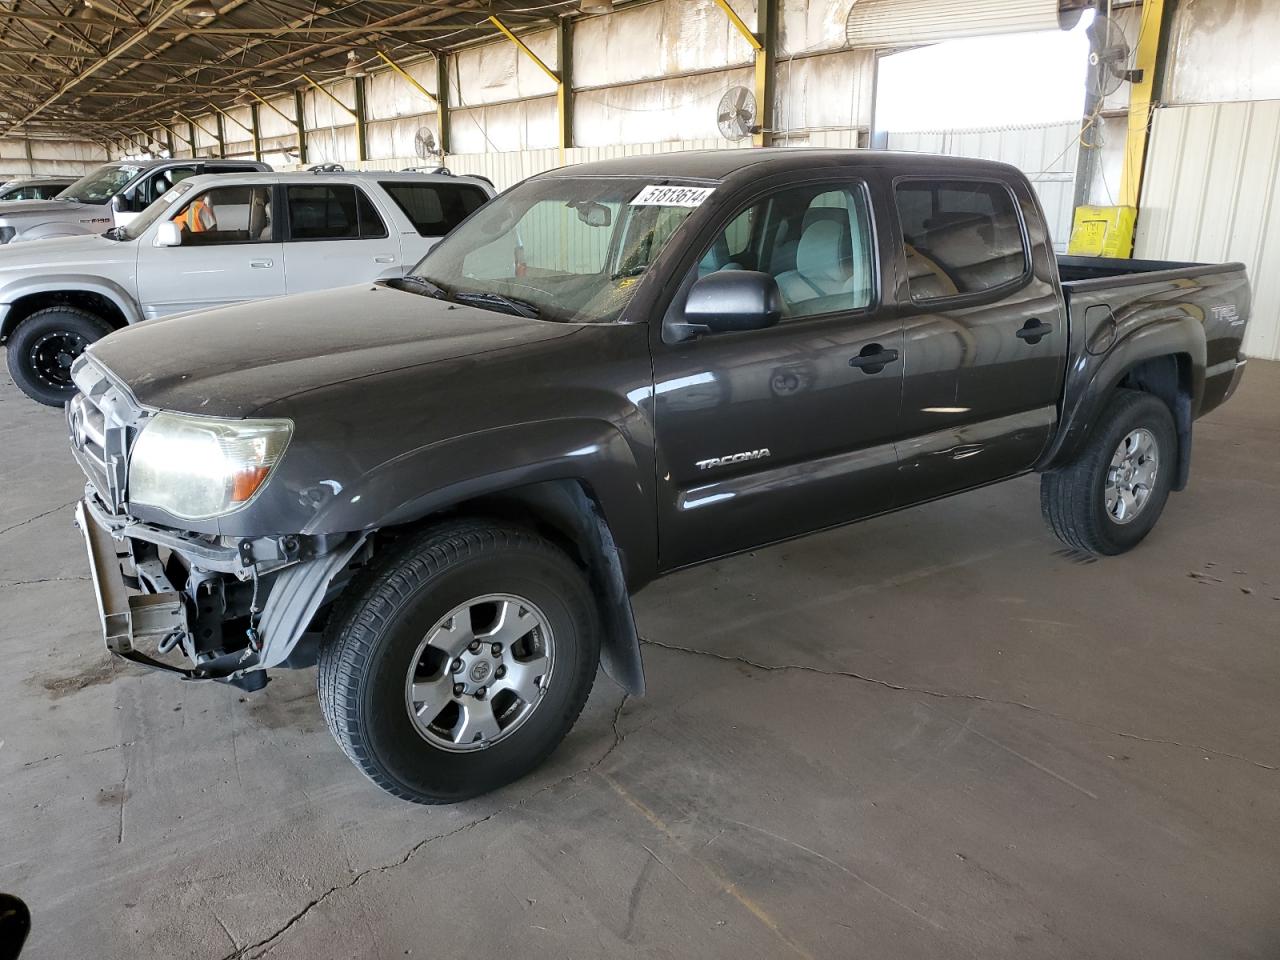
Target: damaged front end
201	605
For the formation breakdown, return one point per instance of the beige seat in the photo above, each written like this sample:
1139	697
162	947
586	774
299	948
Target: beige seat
824	265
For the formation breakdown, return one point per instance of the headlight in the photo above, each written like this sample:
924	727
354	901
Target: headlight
7	234
199	467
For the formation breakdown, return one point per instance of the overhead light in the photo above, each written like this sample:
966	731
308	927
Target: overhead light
201	11
87	12
596	6
354	67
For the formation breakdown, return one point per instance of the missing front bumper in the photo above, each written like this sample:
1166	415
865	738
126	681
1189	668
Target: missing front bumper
129	619
138	619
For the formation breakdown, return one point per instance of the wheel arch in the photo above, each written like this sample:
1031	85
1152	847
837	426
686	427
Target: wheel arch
104	299
1165	359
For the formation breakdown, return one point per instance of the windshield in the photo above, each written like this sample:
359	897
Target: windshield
138	225
561	248
101	185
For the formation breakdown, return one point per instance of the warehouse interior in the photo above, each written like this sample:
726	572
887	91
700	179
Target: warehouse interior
935	733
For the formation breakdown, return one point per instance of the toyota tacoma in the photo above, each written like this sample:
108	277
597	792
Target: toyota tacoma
444	488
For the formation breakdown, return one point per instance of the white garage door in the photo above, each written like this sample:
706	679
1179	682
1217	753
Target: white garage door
888	23
1211	192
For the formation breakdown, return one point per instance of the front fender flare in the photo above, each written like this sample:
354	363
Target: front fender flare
69	283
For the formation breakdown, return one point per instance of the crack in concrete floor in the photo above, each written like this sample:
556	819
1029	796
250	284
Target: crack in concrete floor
269	943
944	695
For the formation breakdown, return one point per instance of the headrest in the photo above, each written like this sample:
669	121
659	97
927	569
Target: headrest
823	252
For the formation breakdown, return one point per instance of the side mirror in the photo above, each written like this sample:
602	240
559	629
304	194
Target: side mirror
15	924
730	301
120	203
168	234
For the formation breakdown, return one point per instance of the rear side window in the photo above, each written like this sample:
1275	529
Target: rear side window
434	208
332	211
960	237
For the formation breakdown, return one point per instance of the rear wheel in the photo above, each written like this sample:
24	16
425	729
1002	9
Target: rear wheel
1112	494
45	345
460	662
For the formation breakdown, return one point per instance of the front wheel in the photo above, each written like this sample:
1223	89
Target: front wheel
1108	498
45	345
459	662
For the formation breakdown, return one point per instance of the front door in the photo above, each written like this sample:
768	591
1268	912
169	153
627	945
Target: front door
985	336
337	237
229	253
771	433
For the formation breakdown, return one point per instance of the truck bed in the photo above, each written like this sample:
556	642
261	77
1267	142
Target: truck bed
1114	302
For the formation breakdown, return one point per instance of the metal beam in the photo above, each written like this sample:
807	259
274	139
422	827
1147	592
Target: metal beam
255	131
362	135
564	88
764	41
91	69
444	140
274	109
564	95
313	83
404	75
302	126
506	32
1140	97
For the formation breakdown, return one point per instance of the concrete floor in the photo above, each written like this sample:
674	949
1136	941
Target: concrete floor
936	734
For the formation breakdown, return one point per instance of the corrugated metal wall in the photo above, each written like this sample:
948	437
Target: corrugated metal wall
1046	153
1211	192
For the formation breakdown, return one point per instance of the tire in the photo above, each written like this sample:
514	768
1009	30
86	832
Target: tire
1075	499
43	347
392	611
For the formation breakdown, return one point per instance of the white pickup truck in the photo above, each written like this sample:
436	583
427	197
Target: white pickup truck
211	241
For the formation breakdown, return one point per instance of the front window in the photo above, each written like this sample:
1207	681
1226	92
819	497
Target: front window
138	226
562	248
101	185
221	215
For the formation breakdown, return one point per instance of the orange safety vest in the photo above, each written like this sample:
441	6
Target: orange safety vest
197	218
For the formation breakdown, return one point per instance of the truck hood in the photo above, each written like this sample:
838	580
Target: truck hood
11	210
232	361
64	253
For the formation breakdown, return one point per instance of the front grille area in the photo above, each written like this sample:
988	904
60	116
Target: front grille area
102	419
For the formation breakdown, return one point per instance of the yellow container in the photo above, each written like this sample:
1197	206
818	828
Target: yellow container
1102	232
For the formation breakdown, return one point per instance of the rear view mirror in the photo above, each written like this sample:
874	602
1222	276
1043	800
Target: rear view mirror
168	234
732	300
593	214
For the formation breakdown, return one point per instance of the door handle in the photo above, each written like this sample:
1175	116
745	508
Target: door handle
1033	330
873	358
384	259
260	264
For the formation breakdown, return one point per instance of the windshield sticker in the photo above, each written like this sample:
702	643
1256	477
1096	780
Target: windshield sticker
659	196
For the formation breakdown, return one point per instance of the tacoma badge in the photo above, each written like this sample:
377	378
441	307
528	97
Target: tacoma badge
733	458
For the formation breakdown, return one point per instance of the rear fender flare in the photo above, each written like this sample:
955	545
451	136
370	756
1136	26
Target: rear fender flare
1092	381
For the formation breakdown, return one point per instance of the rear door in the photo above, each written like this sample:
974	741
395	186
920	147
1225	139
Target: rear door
433	208
986	340
235	256
337	237
771	433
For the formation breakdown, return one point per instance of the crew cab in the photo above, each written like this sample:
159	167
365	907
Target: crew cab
609	373
213	241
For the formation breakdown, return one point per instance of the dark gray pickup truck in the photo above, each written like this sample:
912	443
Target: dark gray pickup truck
444	488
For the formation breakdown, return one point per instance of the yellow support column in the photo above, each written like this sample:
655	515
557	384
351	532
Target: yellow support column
563	93
1140	97
763	42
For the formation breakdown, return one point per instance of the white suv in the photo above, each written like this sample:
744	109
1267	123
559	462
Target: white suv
210	241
